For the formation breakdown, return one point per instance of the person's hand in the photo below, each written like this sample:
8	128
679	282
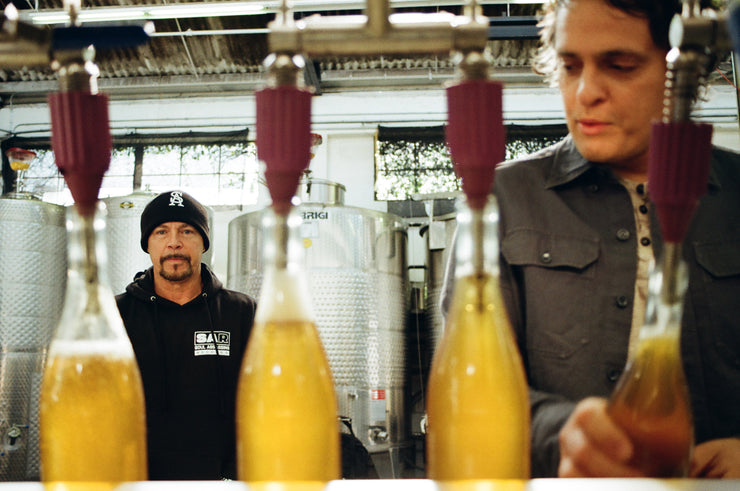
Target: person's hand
717	459
592	445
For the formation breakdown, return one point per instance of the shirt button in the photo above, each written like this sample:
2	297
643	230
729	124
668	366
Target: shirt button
546	257
645	241
623	234
643	209
622	301
640	189
594	188
613	374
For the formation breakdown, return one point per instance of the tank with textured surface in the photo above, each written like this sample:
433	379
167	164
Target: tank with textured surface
356	265
33	272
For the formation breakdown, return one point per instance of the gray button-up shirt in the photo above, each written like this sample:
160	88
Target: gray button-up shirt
568	270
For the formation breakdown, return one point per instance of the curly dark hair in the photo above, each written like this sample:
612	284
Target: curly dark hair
658	13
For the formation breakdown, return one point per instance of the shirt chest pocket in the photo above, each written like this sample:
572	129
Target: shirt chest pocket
558	280
550	251
719	286
558	283
720	260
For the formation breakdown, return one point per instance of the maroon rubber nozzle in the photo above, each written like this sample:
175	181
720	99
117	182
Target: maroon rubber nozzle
81	141
283	140
678	171
476	136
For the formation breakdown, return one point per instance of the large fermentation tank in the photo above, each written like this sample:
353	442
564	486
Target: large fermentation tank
356	264
33	267
123	232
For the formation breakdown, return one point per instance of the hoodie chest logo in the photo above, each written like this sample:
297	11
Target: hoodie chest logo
212	343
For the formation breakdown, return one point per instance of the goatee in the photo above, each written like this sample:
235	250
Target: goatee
179	274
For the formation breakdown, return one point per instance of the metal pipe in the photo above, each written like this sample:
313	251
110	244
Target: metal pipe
378	13
281	240
477	228
670	288
90	262
283	69
381	32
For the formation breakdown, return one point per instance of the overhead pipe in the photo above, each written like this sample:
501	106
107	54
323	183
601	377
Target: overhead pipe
378	31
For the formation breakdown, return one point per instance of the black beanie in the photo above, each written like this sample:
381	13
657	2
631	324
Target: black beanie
173	206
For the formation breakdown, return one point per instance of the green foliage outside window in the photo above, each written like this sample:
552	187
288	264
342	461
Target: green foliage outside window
417	161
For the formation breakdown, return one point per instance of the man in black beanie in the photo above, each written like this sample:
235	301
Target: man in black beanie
189	335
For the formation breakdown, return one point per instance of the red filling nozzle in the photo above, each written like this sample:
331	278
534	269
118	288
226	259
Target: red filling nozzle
678	171
81	140
283	140
476	136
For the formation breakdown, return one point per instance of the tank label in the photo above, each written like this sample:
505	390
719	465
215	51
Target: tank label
315	215
377	405
212	343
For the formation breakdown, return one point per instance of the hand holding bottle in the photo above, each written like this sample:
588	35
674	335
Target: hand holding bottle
592	445
717	459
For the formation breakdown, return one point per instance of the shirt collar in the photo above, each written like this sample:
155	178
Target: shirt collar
568	164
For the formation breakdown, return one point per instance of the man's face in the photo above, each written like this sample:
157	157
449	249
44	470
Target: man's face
611	76
176	249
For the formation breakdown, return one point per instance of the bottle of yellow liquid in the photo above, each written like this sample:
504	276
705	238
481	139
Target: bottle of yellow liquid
91	408
651	400
287	427
477	400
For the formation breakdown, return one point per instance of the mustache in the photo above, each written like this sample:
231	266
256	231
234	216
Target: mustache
184	257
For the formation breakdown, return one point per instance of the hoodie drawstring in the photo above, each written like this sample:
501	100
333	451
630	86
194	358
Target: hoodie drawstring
163	354
219	367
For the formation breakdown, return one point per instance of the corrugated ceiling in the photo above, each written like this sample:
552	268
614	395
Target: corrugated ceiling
224	53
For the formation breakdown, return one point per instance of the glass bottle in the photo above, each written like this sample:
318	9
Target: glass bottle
651	399
91	408
287	427
477	399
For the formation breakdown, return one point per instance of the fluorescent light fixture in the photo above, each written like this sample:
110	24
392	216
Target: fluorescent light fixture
224	9
150	12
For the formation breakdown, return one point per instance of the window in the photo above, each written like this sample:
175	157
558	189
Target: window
416	160
215	169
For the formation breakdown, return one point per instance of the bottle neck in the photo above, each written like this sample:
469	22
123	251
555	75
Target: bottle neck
86	251
667	285
90	312
476	246
285	294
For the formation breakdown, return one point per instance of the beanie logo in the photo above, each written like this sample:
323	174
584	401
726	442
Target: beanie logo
176	199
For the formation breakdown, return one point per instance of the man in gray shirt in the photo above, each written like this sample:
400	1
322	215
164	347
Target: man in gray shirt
578	232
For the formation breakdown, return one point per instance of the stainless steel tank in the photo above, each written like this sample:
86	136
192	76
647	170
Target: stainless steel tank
123	232
33	273
440	235
356	264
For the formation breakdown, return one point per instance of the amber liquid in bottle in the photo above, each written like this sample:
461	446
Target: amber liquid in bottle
92	420
91	408
287	427
477	399
651	401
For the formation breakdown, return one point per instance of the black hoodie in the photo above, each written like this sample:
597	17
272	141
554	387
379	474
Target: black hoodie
189	382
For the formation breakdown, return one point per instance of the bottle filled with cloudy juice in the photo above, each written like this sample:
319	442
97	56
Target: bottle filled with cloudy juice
287	428
651	400
477	402
91	408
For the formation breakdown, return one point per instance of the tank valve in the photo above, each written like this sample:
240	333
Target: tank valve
378	434
14	432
